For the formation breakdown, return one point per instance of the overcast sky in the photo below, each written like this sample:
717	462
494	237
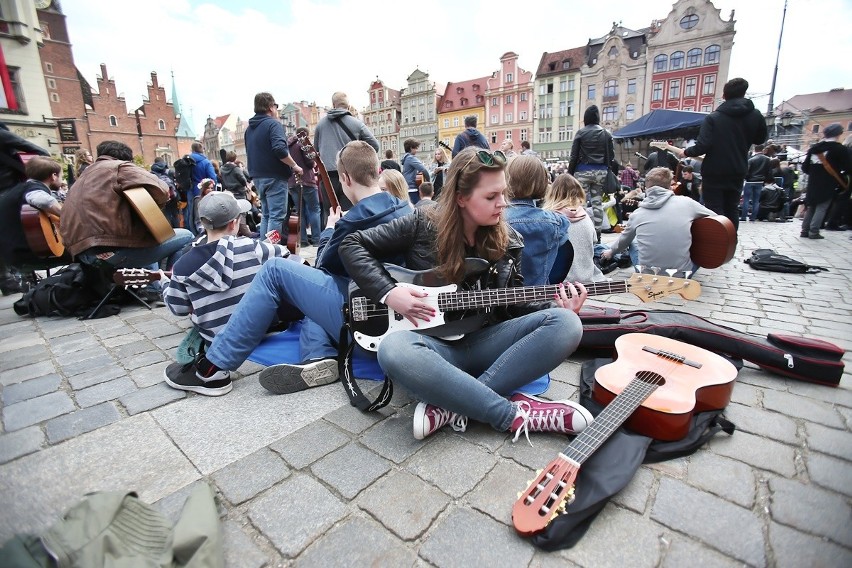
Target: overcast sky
223	52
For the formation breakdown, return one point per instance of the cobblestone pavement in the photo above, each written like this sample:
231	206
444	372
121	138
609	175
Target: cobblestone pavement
307	480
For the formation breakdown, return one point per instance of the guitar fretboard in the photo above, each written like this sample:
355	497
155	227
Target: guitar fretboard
471	299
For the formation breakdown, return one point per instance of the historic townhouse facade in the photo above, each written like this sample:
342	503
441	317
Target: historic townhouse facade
557	94
419	102
383	116
461	99
509	103
688	57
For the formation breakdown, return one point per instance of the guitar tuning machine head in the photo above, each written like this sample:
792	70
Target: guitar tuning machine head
686	275
671	273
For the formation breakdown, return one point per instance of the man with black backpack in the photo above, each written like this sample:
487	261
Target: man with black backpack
470	137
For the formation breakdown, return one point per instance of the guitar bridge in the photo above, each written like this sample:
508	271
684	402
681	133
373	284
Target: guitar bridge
359	309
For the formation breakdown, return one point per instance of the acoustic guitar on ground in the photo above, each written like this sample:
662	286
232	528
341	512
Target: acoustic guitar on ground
655	386
714	241
150	213
41	230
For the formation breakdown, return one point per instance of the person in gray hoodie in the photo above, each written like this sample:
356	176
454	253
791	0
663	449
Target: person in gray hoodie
333	132
661	226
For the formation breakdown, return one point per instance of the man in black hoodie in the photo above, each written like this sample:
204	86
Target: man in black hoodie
724	139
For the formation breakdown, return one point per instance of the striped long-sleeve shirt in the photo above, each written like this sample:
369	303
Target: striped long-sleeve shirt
208	281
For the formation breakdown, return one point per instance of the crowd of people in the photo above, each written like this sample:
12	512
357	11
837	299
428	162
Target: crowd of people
530	223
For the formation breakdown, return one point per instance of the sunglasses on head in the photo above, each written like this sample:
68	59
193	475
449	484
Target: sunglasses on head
487	158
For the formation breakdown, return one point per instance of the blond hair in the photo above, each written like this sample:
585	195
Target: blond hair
565	192
395	183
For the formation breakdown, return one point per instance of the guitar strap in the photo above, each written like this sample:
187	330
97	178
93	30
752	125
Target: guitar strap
830	169
347	377
339	121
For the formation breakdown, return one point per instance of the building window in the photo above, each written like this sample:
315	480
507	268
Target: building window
446	123
112	120
674	89
508	117
563	108
693	57
494	101
494	137
661	62
705	108
570	84
542	89
494	119
689	86
562	134
570	108
508	99
611	88
523	96
591	92
711	54
676	62
51	83
455	121
48	67
631	86
563	85
54	97
548	110
610	113
709	85
522	115
613	52
815	129
161	124
629	112
523	134
11	97
657	92
689	21
508	135
509	78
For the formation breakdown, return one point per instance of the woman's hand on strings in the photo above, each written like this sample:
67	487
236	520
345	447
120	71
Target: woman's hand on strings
406	301
571	296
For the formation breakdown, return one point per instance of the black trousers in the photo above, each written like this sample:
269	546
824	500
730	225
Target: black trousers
723	198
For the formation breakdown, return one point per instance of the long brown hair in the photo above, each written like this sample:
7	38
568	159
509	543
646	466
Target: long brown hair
563	193
491	241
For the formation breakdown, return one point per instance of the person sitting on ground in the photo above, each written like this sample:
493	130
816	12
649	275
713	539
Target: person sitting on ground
473	377
394	183
661	226
426	191
319	293
544	232
209	280
566	196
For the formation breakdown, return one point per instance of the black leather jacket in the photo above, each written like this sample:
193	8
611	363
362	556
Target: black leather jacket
591	146
414	237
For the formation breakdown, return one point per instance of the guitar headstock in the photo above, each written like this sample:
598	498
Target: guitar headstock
134	277
545	497
651	287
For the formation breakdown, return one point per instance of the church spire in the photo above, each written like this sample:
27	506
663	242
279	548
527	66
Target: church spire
184	129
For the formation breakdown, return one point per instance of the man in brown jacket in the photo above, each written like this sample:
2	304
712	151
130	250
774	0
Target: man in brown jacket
98	222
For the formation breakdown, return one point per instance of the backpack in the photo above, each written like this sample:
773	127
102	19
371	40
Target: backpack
769	260
183	175
69	292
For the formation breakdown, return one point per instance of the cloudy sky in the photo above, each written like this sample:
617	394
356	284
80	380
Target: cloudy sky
223	52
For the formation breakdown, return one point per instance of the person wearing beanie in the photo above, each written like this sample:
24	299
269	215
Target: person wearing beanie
591	155
825	161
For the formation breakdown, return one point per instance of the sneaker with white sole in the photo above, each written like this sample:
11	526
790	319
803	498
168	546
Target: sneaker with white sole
538	415
200	376
286	378
429	418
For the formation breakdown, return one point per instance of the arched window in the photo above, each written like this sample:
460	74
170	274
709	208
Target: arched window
676	61
689	21
161	124
112	120
613	51
611	88
693	57
711	54
661	62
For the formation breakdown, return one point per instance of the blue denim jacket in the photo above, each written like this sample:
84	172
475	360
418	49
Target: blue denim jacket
543	231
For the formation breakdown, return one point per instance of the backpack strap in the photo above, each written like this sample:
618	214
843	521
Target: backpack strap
339	121
347	377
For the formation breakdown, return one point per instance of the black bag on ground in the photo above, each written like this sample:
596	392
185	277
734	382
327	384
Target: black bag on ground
611	468
769	260
70	292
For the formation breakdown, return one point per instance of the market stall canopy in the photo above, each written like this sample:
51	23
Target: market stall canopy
663	124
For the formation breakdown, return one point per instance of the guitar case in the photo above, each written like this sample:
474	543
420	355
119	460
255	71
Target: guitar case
800	358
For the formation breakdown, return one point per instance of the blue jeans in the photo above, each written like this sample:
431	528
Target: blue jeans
310	212
273	201
751	194
141	257
472	376
317	294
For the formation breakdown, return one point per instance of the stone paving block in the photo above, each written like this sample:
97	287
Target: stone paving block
96	376
729	479
240	551
91	351
169	342
81	421
597	548
793	549
133	453
493	496
30	389
794	503
534	457
799	407
830	441
27	372
751	375
357	542
87	365
635	496
23	357
746	394
467	538
725	318
17	326
763	423
108	333
26	339
103	392
453	464
52	328
830	473
123	339
393	438
245	478
305	446
62	346
353	420
740	535
149	398
150	375
841	395
403	503
124	352
675	468
295	513
35	410
20	443
350	469
144	359
684	552
758	452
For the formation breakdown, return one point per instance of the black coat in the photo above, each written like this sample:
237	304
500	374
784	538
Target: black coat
592	145
821	185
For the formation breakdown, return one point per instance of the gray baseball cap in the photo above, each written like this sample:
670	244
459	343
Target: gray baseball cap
220	207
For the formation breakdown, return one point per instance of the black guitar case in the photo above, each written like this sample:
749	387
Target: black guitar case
800	358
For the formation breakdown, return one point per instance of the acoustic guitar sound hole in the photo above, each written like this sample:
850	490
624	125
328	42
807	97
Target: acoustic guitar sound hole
651	378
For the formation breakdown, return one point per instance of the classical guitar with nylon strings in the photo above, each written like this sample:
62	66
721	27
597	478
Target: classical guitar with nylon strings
41	230
459	312
655	386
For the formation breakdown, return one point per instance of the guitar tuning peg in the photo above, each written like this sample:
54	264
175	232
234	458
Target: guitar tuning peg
655	270
671	272
687	274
